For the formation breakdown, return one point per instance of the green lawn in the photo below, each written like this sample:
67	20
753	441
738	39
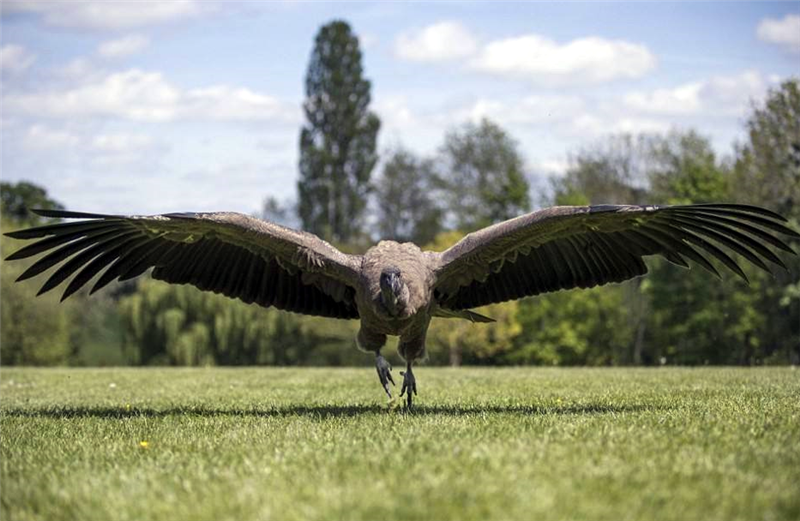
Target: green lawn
286	444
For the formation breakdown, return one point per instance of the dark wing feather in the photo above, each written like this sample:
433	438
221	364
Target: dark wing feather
228	253
585	246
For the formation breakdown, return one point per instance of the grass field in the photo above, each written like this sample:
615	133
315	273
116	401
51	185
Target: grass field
292	444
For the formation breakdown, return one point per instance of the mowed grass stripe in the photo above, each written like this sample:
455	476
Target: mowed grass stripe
517	443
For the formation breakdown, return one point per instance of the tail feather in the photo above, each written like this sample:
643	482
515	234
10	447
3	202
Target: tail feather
462	313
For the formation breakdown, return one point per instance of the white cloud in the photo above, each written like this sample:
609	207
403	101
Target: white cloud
118	151
438	42
223	102
40	137
418	127
147	96
121	143
124	46
732	94
554	166
630	125
368	41
395	113
715	96
612	120
684	99
103	14
247	183
132	94
15	59
784	32
79	71
76	68
543	61
531	110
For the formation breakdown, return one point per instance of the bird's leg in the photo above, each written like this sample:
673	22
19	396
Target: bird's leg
384	372
372	342
409	384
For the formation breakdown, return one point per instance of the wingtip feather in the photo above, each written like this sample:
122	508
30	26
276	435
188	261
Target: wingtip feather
66	214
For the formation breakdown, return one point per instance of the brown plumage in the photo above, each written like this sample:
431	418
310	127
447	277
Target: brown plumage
395	289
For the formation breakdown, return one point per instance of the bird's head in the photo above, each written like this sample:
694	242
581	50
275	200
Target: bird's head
393	289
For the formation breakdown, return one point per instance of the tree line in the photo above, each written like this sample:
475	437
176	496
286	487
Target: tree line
477	177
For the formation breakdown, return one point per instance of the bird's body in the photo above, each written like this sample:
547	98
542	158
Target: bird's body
396	289
403	310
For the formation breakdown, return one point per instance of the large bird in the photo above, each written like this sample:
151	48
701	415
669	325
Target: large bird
394	288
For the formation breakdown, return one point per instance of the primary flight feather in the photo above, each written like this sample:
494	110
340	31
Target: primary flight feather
395	289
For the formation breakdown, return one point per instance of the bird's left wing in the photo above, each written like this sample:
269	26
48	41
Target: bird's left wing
567	247
229	253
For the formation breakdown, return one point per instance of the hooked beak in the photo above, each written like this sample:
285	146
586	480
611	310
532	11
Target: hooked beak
391	287
395	283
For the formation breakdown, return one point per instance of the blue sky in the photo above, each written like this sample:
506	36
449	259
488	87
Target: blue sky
149	107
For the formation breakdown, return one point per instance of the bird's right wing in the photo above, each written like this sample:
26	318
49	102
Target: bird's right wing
229	253
584	246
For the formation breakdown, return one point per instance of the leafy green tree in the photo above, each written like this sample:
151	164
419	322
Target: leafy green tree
181	325
684	169
457	342
767	172
35	331
404	203
44	331
694	318
276	211
17	199
338	142
612	171
767	167
683	317
483	177
574	328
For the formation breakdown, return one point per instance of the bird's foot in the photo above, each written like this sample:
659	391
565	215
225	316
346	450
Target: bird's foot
409	385
384	373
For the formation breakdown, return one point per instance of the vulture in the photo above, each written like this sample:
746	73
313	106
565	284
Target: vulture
396	288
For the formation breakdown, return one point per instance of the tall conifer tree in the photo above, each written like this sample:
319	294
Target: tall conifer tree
338	142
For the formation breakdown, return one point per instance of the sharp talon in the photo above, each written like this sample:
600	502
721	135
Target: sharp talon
384	374
409	387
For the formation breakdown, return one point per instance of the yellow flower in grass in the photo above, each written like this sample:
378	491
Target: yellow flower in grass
144	444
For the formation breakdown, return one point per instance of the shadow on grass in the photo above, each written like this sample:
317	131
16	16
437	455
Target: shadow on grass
326	411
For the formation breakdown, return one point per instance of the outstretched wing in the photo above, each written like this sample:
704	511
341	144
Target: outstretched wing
229	253
584	246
